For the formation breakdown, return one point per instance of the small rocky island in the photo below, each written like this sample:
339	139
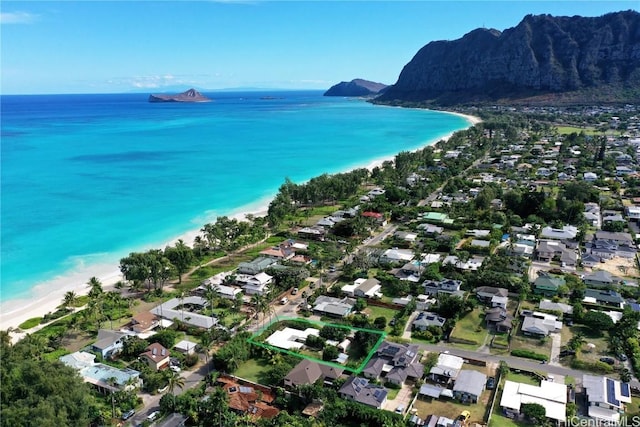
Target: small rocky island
191	95
356	87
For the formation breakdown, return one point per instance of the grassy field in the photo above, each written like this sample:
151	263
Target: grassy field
521	342
519	377
451	409
375	311
597	338
471	327
565	130
498	420
251	370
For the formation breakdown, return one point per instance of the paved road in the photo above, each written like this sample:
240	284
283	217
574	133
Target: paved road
513	362
152	402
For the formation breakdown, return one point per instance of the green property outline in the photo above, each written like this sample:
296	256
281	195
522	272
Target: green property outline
355	371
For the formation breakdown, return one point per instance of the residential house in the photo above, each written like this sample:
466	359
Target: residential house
395	363
603	297
469	386
313	233
410	271
482	244
406	236
437	217
633	213
156	356
478	234
291	338
548	285
549	305
396	256
186	347
444	286
105	378
256	284
183	309
590	176
446	368
363	288
613	218
538	324
360	390
144	322
599	279
249	399
589	260
549	249
550	395
567	232
377	217
335	307
499	301
309	372
497	318
609	249
606	398
256	266
472	264
486	293
429	229
425	319
620	238
109	343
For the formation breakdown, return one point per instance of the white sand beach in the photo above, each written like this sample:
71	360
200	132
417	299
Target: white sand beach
47	296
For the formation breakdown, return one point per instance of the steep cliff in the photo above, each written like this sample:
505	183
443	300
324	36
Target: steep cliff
544	58
190	95
356	87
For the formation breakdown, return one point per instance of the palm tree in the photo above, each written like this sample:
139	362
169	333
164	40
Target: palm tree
174	380
95	286
70	299
205	344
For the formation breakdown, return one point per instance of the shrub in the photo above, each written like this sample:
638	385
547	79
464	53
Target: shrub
529	355
30	323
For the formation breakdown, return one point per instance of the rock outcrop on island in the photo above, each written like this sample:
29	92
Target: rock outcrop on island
356	87
191	95
564	60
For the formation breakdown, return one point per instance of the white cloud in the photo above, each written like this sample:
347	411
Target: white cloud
17	18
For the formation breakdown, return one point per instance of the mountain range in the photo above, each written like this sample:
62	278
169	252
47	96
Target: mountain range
564	60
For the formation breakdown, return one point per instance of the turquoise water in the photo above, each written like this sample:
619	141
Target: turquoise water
88	178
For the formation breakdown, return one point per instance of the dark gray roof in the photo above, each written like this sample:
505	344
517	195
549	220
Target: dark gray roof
363	392
471	382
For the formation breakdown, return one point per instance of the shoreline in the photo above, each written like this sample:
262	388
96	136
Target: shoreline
45	297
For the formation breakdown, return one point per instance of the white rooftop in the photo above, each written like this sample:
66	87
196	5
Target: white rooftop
289	338
552	396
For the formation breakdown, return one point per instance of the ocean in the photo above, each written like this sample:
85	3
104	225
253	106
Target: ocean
86	179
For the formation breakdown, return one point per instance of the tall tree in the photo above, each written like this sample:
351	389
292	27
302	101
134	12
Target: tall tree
181	256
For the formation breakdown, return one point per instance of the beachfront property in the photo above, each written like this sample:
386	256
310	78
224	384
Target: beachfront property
186	310
606	398
551	395
216	282
105	378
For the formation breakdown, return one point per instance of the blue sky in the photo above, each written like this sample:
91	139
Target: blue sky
120	46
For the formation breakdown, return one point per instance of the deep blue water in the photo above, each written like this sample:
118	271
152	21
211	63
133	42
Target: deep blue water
85	179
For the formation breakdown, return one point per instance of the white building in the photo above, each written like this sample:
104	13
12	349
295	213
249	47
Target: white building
289	338
606	398
552	396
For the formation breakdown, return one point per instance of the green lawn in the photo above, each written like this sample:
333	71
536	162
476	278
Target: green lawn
565	130
498	420
521	342
251	370
472	328
375	311
522	378
597	338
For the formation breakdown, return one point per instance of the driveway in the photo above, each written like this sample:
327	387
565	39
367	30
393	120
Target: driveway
556	343
403	398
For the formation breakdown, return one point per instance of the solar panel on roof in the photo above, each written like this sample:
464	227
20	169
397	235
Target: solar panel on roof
624	390
611	393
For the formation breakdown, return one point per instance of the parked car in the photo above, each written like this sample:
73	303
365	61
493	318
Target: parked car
491	383
175	368
567	352
608	360
294	291
284	300
400	409
128	414
622	357
464	416
153	416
